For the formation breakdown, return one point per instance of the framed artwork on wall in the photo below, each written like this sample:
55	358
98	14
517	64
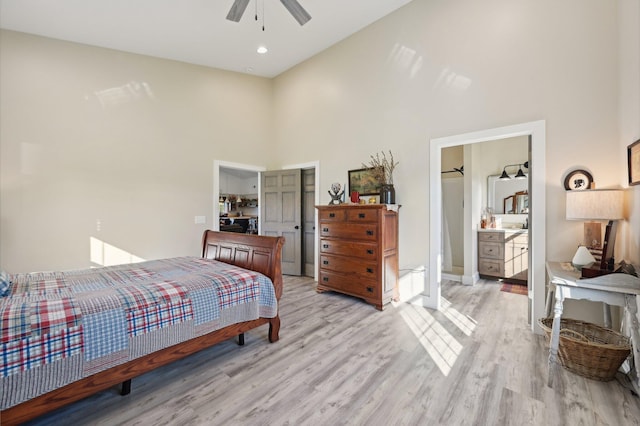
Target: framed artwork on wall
578	180
633	154
364	181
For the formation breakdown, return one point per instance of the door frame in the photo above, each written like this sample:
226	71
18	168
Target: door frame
250	167
216	187
536	130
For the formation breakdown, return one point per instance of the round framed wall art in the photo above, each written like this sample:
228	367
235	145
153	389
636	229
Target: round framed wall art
578	180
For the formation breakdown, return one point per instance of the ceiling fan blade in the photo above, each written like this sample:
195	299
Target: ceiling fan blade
297	11
237	10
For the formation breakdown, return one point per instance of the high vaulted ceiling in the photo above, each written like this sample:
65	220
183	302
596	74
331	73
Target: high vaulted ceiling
196	31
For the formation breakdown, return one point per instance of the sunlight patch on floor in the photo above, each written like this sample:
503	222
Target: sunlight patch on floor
441	346
465	323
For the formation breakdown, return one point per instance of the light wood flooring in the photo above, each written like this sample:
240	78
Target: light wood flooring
340	361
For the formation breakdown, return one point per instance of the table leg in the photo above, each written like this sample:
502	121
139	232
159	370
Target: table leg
606	310
632	319
549	301
555	336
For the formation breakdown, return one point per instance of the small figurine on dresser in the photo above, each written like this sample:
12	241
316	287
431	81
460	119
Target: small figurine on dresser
336	194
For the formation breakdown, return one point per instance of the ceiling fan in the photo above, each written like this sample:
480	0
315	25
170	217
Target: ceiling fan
295	9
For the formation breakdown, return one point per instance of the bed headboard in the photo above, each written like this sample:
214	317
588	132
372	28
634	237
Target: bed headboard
256	252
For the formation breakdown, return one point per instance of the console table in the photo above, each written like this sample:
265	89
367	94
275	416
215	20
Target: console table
611	289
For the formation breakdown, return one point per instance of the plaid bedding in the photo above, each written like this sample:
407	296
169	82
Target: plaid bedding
74	324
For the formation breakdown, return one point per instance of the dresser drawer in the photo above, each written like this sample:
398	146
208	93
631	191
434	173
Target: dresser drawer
349	248
491	250
347	231
349	284
497	237
490	267
332	214
355	267
362	215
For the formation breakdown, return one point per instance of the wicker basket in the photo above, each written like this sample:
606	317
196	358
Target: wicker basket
587	349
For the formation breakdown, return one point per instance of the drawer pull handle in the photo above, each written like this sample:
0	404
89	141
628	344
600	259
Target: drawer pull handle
361	215
332	215
370	271
325	229
325	246
325	279
325	262
369	232
369	251
370	289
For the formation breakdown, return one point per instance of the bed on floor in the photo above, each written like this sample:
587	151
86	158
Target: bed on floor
67	335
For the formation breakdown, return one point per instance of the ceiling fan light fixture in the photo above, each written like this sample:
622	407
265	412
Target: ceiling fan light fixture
237	10
297	11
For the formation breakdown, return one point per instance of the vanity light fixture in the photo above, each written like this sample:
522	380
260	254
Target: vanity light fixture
519	175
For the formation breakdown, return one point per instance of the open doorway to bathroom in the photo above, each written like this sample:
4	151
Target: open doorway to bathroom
536	132
452	213
497	174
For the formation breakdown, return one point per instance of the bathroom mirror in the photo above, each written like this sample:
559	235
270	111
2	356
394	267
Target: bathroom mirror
521	205
511	192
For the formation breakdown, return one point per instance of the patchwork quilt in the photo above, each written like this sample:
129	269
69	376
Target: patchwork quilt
59	327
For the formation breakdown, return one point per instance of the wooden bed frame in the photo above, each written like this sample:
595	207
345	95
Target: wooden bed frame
258	253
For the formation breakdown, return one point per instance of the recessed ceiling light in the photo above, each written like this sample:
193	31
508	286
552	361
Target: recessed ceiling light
262	50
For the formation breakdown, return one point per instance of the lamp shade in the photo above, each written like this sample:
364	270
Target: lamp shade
595	204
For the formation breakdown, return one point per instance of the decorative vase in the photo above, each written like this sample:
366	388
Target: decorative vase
387	194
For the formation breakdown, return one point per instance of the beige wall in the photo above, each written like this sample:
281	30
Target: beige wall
440	68
142	164
629	15
90	134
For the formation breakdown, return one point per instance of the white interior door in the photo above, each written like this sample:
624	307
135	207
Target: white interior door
281	214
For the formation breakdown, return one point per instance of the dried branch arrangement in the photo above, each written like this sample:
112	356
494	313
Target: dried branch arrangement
383	167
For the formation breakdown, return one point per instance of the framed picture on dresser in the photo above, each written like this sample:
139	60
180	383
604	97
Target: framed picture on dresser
364	181
633	155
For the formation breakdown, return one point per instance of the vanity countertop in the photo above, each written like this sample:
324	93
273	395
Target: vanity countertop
505	230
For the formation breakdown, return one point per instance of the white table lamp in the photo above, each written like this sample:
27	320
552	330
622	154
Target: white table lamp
597	204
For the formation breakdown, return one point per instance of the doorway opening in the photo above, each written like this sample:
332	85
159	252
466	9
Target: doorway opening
310	198
236	197
536	132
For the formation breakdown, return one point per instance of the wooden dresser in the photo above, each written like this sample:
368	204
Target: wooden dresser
359	251
503	253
